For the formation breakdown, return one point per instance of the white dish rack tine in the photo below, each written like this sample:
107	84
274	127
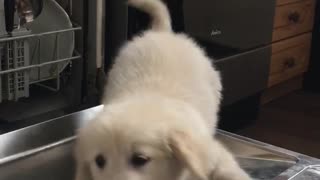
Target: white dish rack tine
39	58
9	65
16	65
22	59
15	54
1	59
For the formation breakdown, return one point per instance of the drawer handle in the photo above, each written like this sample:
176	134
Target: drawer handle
294	17
289	63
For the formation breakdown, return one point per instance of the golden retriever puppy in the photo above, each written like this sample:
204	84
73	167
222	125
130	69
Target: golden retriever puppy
160	114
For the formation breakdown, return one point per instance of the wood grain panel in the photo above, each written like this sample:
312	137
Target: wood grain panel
293	19
289	58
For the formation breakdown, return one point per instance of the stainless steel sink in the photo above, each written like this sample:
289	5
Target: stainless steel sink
308	173
44	151
257	161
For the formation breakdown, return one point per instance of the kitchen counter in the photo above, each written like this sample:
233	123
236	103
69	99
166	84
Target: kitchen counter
44	151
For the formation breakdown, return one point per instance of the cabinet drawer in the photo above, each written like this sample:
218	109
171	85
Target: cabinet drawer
289	58
293	19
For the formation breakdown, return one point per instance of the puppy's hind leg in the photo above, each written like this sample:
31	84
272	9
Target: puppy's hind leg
226	167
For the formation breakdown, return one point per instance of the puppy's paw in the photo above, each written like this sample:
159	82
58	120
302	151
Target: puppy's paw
226	167
229	174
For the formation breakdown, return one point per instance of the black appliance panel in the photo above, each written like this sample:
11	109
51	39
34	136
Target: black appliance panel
244	74
232	24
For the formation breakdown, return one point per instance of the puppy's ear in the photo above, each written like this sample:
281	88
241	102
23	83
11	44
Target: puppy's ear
191	152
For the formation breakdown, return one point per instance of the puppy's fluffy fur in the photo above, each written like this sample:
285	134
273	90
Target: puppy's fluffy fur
161	105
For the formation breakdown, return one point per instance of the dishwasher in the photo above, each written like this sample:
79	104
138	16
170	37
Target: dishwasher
50	53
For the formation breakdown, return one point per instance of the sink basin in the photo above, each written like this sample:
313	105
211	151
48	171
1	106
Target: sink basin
258	162
57	162
309	173
53	164
44	151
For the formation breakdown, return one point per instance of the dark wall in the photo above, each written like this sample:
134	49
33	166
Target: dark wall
312	80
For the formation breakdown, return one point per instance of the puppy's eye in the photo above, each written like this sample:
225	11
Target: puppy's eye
138	160
100	161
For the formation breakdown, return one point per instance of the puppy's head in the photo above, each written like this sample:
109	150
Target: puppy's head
144	140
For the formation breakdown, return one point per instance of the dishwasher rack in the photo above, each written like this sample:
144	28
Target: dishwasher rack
15	64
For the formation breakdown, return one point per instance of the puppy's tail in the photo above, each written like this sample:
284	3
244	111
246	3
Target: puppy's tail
157	10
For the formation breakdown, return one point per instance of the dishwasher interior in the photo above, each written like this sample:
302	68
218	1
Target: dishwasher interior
44	66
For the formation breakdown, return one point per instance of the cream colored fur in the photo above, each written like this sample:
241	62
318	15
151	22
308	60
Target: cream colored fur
161	101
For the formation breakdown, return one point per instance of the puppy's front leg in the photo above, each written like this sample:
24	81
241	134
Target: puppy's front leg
226	167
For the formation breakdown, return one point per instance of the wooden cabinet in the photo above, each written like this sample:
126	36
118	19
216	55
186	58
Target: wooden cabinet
293	19
293	24
289	58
